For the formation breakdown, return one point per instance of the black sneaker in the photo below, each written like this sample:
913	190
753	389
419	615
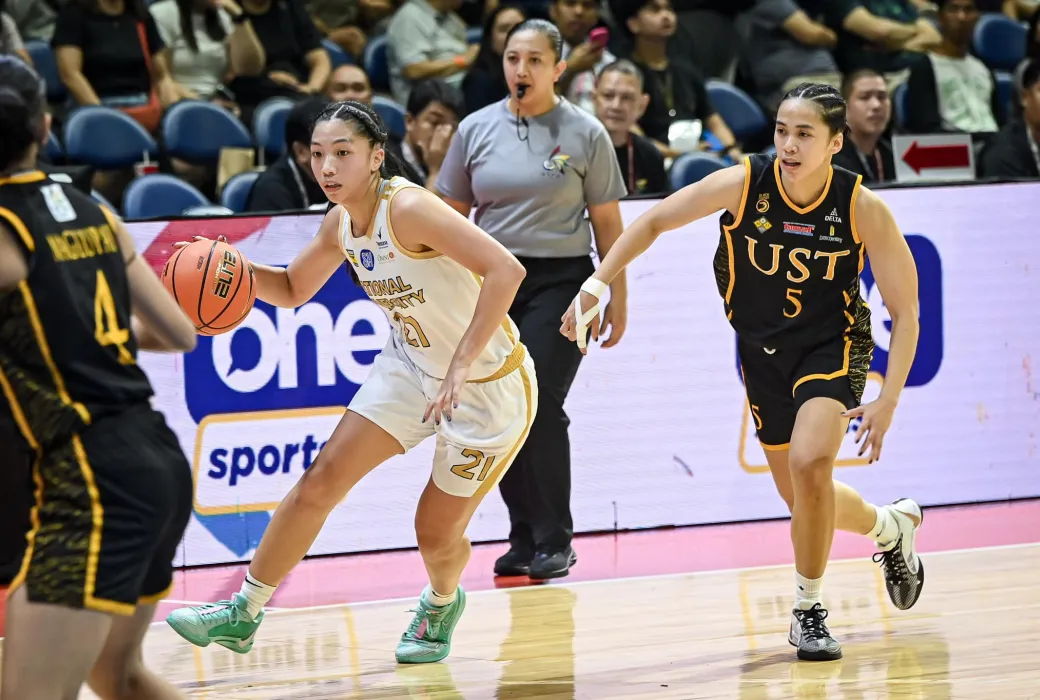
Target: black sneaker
810	635
904	570
553	564
513	563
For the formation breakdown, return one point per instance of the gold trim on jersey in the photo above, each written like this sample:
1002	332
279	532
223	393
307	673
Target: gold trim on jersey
833	375
852	213
512	362
45	352
728	232
423	255
34	513
19	228
787	200
24	178
493	477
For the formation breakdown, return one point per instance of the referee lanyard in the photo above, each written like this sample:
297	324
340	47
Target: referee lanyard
632	165
880	167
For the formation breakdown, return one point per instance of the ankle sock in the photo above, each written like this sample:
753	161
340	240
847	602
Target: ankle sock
886	529
806	591
256	594
434	598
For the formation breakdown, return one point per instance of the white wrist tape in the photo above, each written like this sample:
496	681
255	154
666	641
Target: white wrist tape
582	320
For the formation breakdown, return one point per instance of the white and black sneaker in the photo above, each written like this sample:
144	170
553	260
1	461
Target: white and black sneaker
810	635
904	571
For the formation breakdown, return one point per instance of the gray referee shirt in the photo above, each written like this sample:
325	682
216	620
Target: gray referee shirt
530	188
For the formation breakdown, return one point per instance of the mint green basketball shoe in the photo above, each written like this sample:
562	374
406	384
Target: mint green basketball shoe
226	622
428	637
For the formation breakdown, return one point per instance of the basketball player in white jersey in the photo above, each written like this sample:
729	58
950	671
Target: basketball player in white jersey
453	368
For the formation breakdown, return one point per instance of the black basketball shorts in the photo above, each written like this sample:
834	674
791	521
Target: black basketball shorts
779	380
111	507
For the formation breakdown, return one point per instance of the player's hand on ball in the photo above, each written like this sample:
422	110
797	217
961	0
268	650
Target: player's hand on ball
181	244
448	396
876	418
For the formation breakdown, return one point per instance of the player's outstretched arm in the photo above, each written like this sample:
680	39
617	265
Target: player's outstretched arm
720	190
423	221
297	284
896	275
157	322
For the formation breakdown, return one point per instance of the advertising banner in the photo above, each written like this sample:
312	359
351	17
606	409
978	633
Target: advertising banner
661	431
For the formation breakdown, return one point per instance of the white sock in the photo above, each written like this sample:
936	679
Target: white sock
806	591
256	594
886	529
434	598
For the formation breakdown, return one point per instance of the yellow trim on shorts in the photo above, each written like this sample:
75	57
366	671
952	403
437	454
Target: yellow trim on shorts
775	448
493	477
155	598
833	375
34	513
97	513
512	363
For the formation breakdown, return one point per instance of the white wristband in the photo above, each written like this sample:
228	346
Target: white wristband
582	320
594	287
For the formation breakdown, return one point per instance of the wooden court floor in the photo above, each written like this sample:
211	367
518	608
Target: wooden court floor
975	634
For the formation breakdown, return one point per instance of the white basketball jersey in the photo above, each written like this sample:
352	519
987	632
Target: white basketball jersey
428	298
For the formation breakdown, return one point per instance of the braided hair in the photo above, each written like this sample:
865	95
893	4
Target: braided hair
832	106
366	122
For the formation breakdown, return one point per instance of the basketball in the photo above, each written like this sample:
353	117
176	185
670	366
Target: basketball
213	282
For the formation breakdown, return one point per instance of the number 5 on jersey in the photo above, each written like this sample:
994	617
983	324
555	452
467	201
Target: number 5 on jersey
106	321
796	304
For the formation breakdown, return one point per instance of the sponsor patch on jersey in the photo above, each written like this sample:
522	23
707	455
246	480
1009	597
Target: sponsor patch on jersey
368	260
385	257
58	203
833	216
351	257
381	239
831	238
762	206
799	229
762	224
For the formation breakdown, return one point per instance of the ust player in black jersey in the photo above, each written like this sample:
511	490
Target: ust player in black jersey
113	489
795	230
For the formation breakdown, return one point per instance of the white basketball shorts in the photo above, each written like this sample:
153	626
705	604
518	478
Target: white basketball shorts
477	446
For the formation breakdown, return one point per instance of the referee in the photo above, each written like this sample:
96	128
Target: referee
532	164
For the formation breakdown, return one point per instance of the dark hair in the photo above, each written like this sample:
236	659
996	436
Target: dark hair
211	17
1030	74
543	27
22	104
136	8
299	122
832	106
487	60
426	92
1032	45
624	67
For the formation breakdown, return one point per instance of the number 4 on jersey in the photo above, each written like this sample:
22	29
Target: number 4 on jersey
106	321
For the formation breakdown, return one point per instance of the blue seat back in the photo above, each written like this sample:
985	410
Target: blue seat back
377	64
154	196
741	113
693	167
337	55
197	131
47	66
999	41
269	126
391	113
235	194
106	139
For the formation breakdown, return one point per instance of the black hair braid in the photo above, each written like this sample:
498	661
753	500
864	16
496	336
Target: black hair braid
832	106
367	121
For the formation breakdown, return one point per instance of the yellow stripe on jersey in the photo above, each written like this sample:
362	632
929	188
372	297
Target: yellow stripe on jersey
787	200
19	227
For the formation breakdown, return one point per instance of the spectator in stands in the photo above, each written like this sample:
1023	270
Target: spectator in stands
209	41
340	21
887	36
783	47
427	39
532	167
676	88
708	38
952	90
432	118
35	18
575	19
1014	152
297	64
866	150
289	184
620	101
486	82
110	53
349	82
10	38
1032	45
1015	9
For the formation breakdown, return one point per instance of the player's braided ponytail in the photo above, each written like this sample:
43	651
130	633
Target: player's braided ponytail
832	106
366	121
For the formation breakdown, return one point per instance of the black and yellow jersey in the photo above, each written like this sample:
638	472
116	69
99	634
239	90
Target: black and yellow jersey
67	356
790	275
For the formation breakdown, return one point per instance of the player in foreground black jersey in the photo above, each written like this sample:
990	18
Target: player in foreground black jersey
113	489
794	233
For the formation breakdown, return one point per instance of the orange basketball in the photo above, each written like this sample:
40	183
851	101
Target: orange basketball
213	282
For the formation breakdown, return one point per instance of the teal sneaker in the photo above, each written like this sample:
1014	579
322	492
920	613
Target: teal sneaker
225	622
428	638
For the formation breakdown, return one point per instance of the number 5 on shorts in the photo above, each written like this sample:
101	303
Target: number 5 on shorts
467	469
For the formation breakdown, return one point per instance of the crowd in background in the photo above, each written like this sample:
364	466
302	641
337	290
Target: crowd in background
640	66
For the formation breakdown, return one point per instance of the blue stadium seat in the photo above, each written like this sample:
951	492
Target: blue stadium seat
269	126
1005	94
196	131
693	167
999	41
206	211
106	139
741	113
474	35
391	113
899	105
337	55
53	151
236	191
377	65
47	66
155	196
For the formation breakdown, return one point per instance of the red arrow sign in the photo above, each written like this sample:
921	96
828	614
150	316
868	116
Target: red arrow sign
927	157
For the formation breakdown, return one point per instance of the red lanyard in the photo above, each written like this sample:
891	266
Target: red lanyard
631	167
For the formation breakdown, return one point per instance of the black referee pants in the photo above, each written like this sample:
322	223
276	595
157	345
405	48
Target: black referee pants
537	488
